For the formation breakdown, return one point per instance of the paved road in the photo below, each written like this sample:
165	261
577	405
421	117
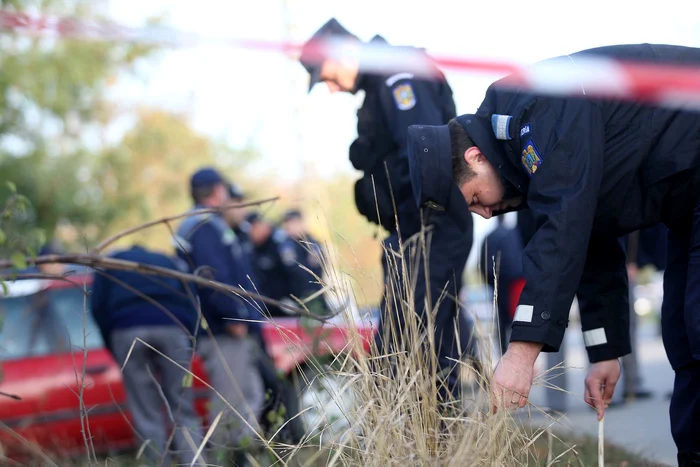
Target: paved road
641	426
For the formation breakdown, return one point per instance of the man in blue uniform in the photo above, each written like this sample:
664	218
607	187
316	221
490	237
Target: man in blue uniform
309	255
591	170
209	245
282	397
392	103
276	263
161	312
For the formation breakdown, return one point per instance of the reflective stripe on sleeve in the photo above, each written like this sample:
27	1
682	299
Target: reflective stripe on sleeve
595	337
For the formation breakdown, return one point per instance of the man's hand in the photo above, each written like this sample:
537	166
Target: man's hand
238	330
512	379
600	385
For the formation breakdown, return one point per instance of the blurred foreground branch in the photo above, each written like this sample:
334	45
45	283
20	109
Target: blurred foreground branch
98	261
165	220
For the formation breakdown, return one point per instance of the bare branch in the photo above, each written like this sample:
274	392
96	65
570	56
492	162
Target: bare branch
11	396
98	261
165	220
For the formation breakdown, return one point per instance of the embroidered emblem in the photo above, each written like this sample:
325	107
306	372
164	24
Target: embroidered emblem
404	97
288	255
531	157
525	130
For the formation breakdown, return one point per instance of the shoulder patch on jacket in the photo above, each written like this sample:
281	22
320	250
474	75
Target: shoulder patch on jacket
531	157
280	236
287	254
404	97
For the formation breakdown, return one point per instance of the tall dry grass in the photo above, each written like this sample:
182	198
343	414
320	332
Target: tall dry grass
397	417
391	412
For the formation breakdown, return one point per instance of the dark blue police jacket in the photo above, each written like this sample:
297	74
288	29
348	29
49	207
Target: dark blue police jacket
392	103
591	170
117	299
213	250
309	254
277	268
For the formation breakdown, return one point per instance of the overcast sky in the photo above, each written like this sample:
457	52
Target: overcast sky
260	98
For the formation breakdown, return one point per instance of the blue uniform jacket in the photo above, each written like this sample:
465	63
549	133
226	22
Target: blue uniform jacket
392	103
115	305
591	170
308	254
277	268
212	249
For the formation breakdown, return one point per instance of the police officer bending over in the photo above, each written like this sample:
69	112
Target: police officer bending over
591	170
392	103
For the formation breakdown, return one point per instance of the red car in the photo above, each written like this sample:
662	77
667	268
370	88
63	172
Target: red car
48	342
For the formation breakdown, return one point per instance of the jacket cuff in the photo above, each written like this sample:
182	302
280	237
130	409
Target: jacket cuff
600	348
549	334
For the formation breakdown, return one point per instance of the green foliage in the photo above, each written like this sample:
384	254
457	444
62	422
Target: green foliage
187	380
53	110
149	170
19	235
19	260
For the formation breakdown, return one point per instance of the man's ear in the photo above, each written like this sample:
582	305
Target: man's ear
473	155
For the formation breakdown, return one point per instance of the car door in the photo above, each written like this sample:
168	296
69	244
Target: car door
52	364
34	373
96	384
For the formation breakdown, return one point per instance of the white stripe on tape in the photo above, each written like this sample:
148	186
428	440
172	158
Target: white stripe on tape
524	313
595	337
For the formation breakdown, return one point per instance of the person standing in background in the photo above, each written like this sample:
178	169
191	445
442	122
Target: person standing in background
161	312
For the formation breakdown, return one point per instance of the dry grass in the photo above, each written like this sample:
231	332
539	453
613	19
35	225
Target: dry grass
396	418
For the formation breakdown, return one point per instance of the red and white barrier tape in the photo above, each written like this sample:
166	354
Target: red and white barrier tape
676	86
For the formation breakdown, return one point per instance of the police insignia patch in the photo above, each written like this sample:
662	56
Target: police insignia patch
288	256
531	157
404	97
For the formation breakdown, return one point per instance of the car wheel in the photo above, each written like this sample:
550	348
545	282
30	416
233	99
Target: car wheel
325	400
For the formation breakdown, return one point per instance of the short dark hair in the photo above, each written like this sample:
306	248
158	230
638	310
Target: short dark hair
460	142
200	193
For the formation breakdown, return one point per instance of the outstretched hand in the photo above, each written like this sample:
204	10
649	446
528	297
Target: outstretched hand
513	376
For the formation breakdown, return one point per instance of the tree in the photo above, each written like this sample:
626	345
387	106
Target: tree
53	108
148	172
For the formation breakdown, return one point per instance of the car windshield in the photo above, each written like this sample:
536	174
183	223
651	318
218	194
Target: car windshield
46	322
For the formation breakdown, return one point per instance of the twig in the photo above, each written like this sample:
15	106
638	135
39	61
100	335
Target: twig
11	396
97	261
601	442
108	241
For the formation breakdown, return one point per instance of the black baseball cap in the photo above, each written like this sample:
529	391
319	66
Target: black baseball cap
206	176
430	164
312	54
291	214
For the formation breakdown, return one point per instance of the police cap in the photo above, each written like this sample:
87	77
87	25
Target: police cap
206	176
291	214
430	164
311	55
